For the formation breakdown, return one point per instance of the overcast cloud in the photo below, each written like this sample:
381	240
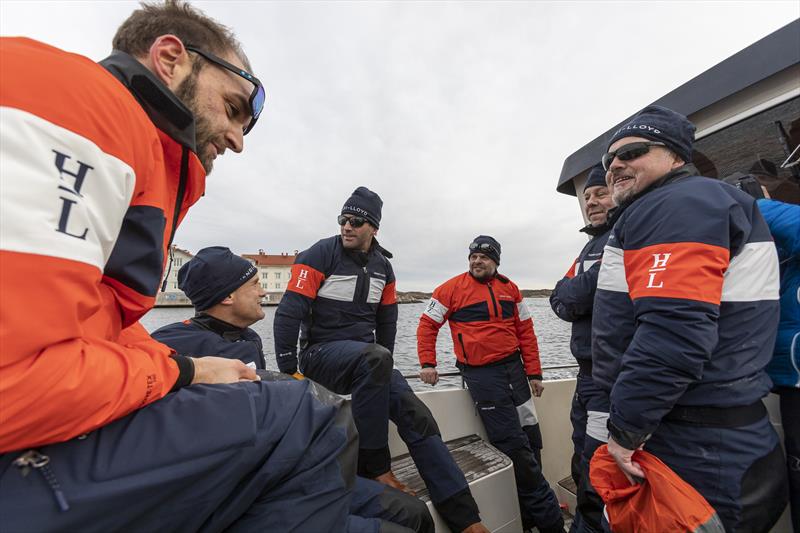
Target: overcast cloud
459	115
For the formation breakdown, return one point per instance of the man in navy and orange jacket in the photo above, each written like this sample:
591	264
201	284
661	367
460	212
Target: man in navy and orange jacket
684	323
498	354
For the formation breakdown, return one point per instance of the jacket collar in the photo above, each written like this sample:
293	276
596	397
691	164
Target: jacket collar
672	176
165	110
594	231
220	327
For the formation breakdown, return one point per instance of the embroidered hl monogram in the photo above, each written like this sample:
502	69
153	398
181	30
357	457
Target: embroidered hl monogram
659	265
301	278
70	194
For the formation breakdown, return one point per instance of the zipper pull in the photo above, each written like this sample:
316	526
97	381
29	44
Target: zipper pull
38	461
365	269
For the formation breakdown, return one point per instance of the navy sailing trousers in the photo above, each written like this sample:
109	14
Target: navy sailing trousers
502	396
253	456
377	508
353	367
589	416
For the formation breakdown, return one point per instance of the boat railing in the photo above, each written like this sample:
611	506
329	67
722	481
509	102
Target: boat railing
458	374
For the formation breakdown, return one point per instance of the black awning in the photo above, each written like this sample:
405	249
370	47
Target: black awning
770	55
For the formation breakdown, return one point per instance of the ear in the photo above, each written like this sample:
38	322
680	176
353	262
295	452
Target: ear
169	61
677	162
227	301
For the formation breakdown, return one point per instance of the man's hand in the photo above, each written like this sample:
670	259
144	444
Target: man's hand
623	456
221	370
429	375
537	387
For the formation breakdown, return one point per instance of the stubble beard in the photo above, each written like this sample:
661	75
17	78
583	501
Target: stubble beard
187	93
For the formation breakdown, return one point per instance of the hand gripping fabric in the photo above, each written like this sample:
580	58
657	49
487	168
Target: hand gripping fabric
663	503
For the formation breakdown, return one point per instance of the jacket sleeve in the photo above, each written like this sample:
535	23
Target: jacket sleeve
433	318
306	279
386	317
573	296
528	344
675	284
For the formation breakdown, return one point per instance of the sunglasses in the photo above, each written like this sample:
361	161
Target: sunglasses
257	97
628	152
355	222
482	247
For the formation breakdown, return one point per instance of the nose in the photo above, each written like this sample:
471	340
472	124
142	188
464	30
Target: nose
234	139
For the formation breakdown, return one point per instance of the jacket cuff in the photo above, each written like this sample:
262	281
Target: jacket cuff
185	371
287	362
534	376
428	365
627	439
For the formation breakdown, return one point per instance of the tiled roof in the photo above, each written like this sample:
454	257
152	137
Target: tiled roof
270	260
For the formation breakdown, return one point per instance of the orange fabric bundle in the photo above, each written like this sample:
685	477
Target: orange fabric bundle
662	503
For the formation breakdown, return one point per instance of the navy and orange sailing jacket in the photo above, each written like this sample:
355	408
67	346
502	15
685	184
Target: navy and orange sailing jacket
98	170
336	294
686	310
573	296
488	321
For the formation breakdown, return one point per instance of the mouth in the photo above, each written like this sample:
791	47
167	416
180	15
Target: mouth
621	179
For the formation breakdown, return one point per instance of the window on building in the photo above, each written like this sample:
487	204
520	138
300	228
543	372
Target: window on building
277	285
277	275
174	284
178	261
263	285
263	275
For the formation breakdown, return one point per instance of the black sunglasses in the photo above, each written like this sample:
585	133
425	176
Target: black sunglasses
355	222
628	152
257	97
481	247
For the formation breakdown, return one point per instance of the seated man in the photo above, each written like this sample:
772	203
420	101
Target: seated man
498	355
342	294
226	293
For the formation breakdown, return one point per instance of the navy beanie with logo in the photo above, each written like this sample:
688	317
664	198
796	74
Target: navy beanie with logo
597	177
212	275
663	125
487	246
364	203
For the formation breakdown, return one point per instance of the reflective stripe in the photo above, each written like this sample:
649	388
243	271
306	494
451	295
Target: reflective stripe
753	274
524	312
435	311
597	425
612	271
526	413
339	288
376	286
62	196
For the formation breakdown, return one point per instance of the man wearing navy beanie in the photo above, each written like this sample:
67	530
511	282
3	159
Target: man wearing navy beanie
572	300
684	323
226	295
342	304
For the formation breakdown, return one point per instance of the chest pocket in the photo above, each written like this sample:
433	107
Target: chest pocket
508	308
339	288
376	286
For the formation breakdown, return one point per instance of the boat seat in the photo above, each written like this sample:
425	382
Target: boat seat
474	456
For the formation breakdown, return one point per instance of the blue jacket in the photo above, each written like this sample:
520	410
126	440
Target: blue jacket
573	296
204	335
686	310
784	223
336	294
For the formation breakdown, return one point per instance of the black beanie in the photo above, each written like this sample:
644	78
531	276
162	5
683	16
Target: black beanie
212	275
487	246
597	177
663	125
364	203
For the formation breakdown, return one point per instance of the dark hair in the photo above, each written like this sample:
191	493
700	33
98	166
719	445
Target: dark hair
175	17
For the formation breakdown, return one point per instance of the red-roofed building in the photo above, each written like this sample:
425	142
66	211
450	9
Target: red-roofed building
274	272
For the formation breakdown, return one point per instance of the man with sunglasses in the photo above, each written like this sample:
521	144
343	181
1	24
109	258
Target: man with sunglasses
102	427
342	302
498	355
684	322
572	300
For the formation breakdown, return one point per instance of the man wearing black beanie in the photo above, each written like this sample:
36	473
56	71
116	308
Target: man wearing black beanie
572	300
342	302
684	323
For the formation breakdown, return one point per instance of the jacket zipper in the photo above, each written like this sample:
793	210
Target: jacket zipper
494	302
463	350
38	461
184	177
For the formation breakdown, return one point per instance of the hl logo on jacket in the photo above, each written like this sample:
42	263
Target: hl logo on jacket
74	192
659	265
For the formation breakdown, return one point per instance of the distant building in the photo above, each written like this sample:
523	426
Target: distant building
172	295
274	272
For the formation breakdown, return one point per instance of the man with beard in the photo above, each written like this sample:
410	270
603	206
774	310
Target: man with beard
684	323
102	427
572	300
498	355
225	291
342	302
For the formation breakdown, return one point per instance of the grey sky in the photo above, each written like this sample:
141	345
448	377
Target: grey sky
458	114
